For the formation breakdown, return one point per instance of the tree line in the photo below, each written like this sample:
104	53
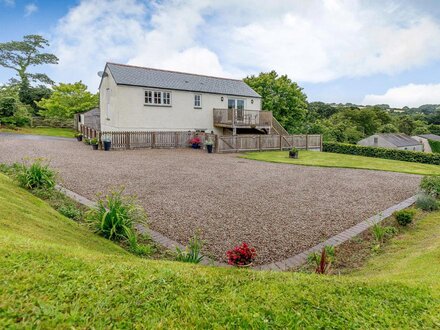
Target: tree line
30	94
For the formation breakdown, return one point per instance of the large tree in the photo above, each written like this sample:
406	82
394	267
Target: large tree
282	96
68	99
21	55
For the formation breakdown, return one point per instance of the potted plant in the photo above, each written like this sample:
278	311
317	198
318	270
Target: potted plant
195	142
293	153
241	256
79	136
107	143
94	143
86	141
209	143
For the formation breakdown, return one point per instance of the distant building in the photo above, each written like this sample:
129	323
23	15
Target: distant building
392	141
424	139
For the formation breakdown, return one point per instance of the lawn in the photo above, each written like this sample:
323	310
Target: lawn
327	159
49	131
56	273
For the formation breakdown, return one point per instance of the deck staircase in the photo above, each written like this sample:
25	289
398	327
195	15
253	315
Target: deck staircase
277	128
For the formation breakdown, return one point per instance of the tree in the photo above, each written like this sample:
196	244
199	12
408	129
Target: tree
20	55
30	95
281	96
68	99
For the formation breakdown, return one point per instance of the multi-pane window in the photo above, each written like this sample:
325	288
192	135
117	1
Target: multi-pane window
197	100
157	97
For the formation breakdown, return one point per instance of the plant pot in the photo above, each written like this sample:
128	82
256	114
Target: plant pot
79	138
94	146
195	146
209	148
245	266
107	145
293	154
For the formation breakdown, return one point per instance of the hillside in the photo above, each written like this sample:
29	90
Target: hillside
56	273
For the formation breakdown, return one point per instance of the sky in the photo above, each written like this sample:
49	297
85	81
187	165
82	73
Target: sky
357	51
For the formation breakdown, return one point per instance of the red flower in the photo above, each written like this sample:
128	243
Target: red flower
241	255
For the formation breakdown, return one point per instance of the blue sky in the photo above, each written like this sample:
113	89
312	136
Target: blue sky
337	50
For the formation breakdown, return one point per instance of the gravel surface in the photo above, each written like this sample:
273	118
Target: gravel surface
280	209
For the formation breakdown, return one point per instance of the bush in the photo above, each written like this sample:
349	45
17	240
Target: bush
431	186
427	202
404	217
70	211
38	175
242	255
192	252
435	146
395	154
115	217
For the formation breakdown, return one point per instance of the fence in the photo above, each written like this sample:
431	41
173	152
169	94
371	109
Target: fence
237	143
226	143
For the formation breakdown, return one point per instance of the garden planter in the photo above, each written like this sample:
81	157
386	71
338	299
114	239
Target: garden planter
107	145
195	146
94	146
209	148
79	138
293	154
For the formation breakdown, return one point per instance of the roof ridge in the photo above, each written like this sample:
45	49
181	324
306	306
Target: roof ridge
180	72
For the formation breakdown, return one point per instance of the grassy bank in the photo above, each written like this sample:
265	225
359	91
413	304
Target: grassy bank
56	273
327	159
49	131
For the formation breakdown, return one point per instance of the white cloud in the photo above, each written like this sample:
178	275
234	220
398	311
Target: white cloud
29	9
412	95
311	41
9	3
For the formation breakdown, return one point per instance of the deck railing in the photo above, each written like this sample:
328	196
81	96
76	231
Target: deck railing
242	118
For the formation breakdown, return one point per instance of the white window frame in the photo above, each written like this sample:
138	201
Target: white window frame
157	98
236	102
199	105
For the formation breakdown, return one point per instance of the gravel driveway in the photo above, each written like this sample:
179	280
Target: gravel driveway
281	209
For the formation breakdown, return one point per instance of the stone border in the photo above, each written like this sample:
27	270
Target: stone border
286	264
338	239
155	236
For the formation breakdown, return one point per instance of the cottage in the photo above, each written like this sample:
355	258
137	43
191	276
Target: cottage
392	140
89	118
135	98
425	139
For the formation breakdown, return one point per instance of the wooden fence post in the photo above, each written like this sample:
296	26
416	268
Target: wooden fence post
176	142
281	142
216	146
320	142
259	142
127	140
307	141
153	140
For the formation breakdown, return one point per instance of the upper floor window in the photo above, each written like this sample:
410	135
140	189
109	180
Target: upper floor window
197	101
157	98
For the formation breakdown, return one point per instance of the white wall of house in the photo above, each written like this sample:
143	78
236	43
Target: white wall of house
123	108
381	142
425	142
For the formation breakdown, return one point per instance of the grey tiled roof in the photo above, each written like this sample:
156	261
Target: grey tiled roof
430	137
155	78
400	140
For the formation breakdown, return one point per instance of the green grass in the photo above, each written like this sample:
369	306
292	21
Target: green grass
49	131
56	273
327	159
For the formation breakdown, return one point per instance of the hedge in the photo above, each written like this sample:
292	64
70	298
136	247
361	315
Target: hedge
435	146
52	122
404	155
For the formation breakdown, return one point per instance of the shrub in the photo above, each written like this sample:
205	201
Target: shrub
431	186
242	255
322	260
435	146
37	175
115	217
404	217
94	141
380	233
427	202
70	211
403	155
192	251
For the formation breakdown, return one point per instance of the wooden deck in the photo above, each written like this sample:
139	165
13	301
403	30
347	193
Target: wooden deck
241	118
